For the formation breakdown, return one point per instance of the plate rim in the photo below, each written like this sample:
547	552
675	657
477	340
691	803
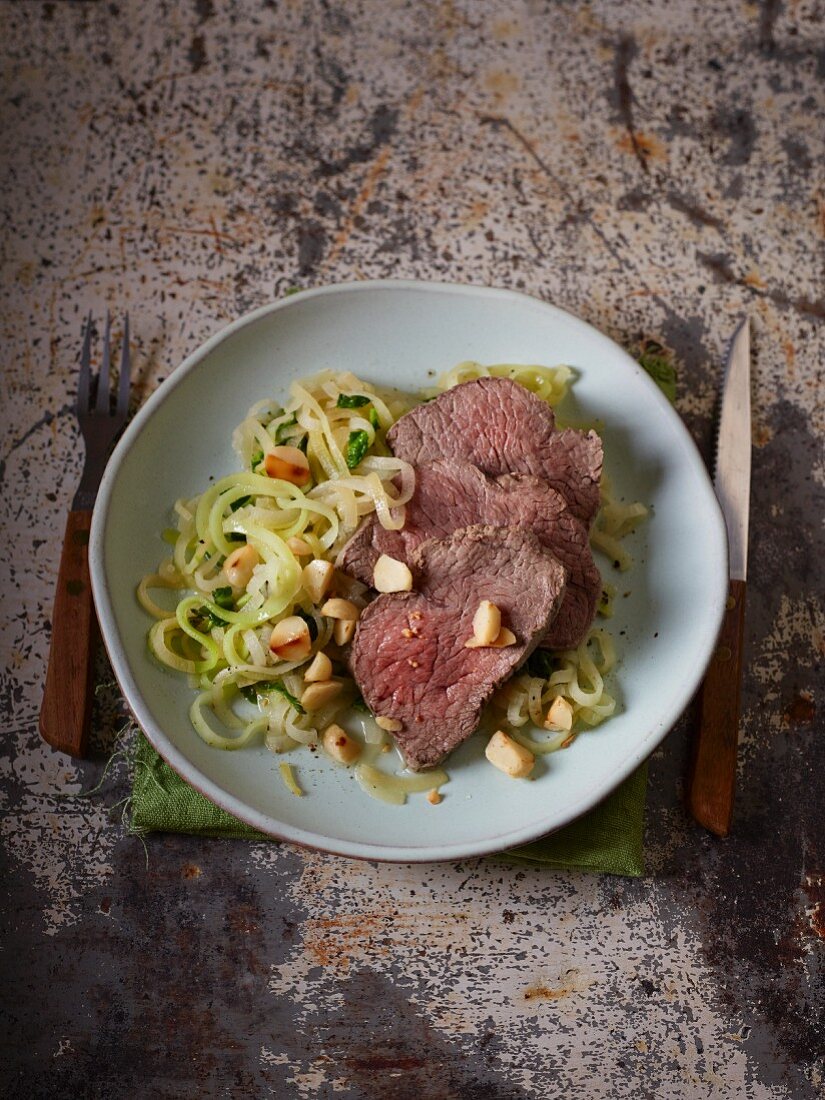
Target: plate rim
266	824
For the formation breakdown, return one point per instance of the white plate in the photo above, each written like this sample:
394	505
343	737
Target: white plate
399	333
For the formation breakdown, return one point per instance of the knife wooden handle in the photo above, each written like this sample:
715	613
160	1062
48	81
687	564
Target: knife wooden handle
66	710
713	772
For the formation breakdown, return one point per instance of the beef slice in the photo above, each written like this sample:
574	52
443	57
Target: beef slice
453	493
409	657
503	428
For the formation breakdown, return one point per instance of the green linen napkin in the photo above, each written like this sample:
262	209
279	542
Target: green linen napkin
609	838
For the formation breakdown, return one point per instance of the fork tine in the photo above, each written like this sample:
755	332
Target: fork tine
102	403
125	372
85	368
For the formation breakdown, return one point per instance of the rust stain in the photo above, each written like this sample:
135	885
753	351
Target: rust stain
243	919
450	19
377	1063
814	889
792	947
570	982
504	29
369	185
762	435
414	101
753	279
501	84
651	148
339	940
817	916
97	216
724	273
183	230
790	355
216	234
219	183
476	214
288	87
802	711
191	870
545	993
26	274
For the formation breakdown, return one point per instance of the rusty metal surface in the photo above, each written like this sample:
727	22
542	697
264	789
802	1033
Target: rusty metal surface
655	167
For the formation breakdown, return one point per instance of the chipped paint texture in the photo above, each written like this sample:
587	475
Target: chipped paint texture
655	167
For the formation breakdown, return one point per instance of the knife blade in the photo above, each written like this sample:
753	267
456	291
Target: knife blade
712	777
732	477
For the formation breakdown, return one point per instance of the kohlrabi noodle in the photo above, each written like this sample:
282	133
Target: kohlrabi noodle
237	576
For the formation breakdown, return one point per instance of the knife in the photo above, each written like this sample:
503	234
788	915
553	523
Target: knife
713	772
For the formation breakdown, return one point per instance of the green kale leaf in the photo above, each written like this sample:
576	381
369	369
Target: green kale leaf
357	446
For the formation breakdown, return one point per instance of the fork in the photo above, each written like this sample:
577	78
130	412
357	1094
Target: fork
65	713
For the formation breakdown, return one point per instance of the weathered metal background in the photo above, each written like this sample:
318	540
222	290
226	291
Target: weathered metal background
657	168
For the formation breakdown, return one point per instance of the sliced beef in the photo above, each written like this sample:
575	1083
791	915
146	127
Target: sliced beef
408	656
452	493
502	428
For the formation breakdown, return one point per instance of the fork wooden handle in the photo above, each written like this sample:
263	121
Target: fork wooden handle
713	772
67	699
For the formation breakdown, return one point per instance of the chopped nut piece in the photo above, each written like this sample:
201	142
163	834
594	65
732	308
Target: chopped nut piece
299	547
319	669
486	623
509	756
317	577
391	575
343	630
559	716
240	564
287	464
317	695
433	797
337	608
504	638
391	725
290	640
340	745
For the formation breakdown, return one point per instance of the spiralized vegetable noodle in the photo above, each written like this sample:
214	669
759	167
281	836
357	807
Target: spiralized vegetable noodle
218	633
